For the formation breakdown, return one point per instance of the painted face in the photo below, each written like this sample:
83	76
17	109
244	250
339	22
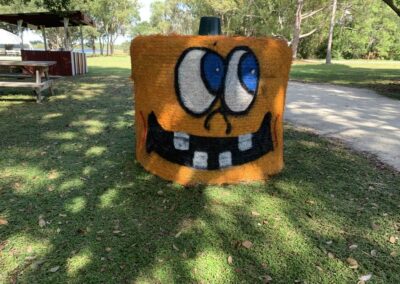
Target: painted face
209	109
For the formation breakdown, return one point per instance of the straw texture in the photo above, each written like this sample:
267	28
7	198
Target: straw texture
209	109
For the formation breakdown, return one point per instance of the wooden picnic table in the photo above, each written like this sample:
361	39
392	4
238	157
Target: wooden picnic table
37	68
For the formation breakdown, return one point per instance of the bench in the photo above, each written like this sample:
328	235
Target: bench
39	68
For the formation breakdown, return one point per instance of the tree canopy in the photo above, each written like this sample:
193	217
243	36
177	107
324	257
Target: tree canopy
362	28
113	18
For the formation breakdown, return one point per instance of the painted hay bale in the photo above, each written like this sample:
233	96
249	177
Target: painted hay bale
209	109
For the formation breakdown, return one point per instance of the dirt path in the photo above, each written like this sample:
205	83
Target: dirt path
363	119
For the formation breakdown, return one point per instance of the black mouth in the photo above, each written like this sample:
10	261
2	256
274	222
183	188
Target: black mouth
208	153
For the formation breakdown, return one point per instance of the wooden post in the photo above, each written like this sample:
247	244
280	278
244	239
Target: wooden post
44	36
38	90
66	43
81	32
21	32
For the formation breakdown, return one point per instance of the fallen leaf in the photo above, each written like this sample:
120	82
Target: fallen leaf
392	240
230	260
160	192
247	244
329	242
3	221
116	232
54	269
352	263
265	222
331	255
58	230
255	213
375	226
28	258
319	268
353	247
267	278
108	249
365	277
175	247
393	254
53	174
35	265
29	249
42	223
178	234
374	252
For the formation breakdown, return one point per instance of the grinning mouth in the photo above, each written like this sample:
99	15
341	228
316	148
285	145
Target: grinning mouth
208	153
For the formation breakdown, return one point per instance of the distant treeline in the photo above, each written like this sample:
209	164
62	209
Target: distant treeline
363	28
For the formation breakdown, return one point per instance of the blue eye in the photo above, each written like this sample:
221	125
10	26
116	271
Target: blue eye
249	72
213	70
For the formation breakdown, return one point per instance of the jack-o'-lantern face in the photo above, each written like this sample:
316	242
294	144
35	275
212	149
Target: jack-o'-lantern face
209	109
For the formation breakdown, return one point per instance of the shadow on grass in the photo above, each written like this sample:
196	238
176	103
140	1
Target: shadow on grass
384	81
70	162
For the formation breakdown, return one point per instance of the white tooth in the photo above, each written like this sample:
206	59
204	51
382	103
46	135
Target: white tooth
181	141
225	159
245	142
200	160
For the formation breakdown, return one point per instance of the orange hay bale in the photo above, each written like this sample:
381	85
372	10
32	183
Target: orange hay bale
209	109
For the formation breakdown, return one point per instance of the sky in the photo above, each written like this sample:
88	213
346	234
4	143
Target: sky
144	16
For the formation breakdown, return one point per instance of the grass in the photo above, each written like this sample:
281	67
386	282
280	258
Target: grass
381	76
75	207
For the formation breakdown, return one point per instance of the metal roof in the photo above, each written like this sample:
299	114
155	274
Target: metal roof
48	19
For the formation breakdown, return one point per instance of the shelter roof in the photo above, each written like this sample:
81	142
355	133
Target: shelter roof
48	19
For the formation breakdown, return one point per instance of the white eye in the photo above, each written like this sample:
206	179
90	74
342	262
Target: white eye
193	89
241	81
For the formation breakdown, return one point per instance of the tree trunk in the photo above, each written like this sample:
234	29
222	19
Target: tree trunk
330	37
111	45
94	46
101	45
107	45
297	29
393	6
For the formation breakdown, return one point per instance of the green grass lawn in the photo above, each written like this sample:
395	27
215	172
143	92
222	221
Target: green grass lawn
75	207
381	76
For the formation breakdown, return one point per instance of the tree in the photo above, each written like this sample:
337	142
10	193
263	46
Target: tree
330	35
113	19
91	34
297	26
367	29
169	16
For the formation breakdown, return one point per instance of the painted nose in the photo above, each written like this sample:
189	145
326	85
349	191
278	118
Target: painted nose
212	114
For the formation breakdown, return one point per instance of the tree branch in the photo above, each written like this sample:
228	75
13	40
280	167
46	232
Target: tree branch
308	34
393	6
310	14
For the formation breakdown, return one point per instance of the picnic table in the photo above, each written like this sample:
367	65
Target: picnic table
37	70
